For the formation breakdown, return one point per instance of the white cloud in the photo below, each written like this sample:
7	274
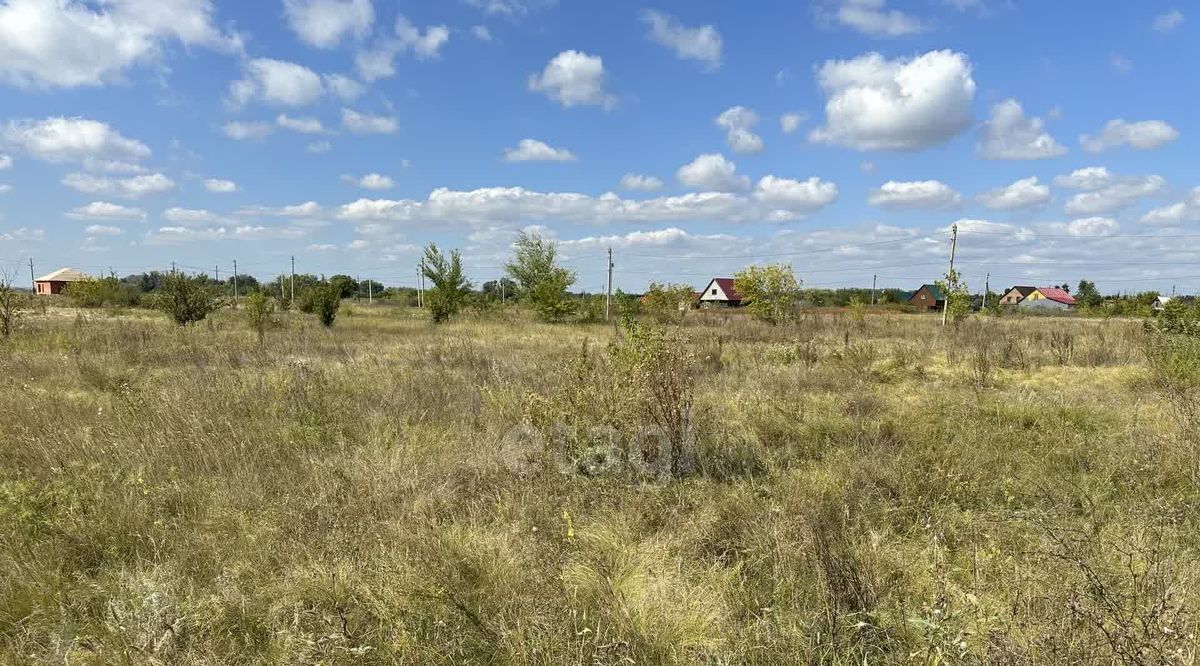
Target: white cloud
219	186
325	23
793	198
790	122
481	33
319	147
919	194
24	234
872	17
308	209
344	87
102	230
67	44
902	104
1024	193
301	125
97	165
1010	135
867	167
371	181
192	216
573	78
511	8
5	162
1175	214
1087	178
5	188
1120	193
532	150
712	171
361	123
639	183
1144	135
1169	21
1093	226
240	131
702	43
134	187
174	235
102	210
378	62
737	121
276	82
59	140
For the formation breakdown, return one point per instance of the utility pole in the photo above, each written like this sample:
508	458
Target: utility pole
420	287
172	268
370	292
217	273
293	281
987	287
950	276
608	292
874	281
235	287
501	291
32	279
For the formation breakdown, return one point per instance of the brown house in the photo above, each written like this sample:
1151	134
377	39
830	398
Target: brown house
927	298
55	282
1016	294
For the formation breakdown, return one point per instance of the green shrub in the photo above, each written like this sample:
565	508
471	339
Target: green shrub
667	303
451	289
326	300
186	299
260	313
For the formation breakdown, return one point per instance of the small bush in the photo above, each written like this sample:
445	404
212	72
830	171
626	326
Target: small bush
326	301
667	303
260	313
186	299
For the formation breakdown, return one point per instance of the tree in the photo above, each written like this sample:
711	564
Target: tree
770	292
450	289
539	279
1087	295
499	289
12	305
326	299
345	285
187	299
956	295
260	313
667	303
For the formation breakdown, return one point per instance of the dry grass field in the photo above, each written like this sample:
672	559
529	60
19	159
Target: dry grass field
839	489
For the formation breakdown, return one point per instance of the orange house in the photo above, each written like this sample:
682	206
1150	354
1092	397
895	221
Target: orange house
55	282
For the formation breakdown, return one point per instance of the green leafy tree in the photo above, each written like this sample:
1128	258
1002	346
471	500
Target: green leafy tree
667	303
326	299
345	285
540	280
770	292
957	296
451	290
1087	295
260	313
185	298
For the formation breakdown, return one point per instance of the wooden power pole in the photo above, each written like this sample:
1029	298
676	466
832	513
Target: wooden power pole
292	288
32	279
608	292
874	281
950	281
235	284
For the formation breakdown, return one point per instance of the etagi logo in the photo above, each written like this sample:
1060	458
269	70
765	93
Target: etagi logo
648	455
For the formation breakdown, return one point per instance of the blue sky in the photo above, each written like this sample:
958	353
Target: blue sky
843	136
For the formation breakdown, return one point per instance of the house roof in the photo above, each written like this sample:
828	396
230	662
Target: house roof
1057	295
64	275
1022	290
726	285
933	291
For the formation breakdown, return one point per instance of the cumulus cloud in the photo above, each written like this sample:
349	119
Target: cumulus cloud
794	198
371	181
23	234
176	235
790	122
5	162
1093	226
240	130
306	210
58	140
276	82
134	187
68	44
378	62
192	216
362	123
1024	193
1115	194
1087	178
218	186
702	44
638	183
102	230
301	125
1168	21
902	104
1177	213
102	210
325	23
1144	135
532	150
738	121
713	172
1010	135
873	18
573	78
913	195
343	87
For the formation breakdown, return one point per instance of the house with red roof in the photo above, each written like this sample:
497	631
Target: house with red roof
1048	298
720	292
